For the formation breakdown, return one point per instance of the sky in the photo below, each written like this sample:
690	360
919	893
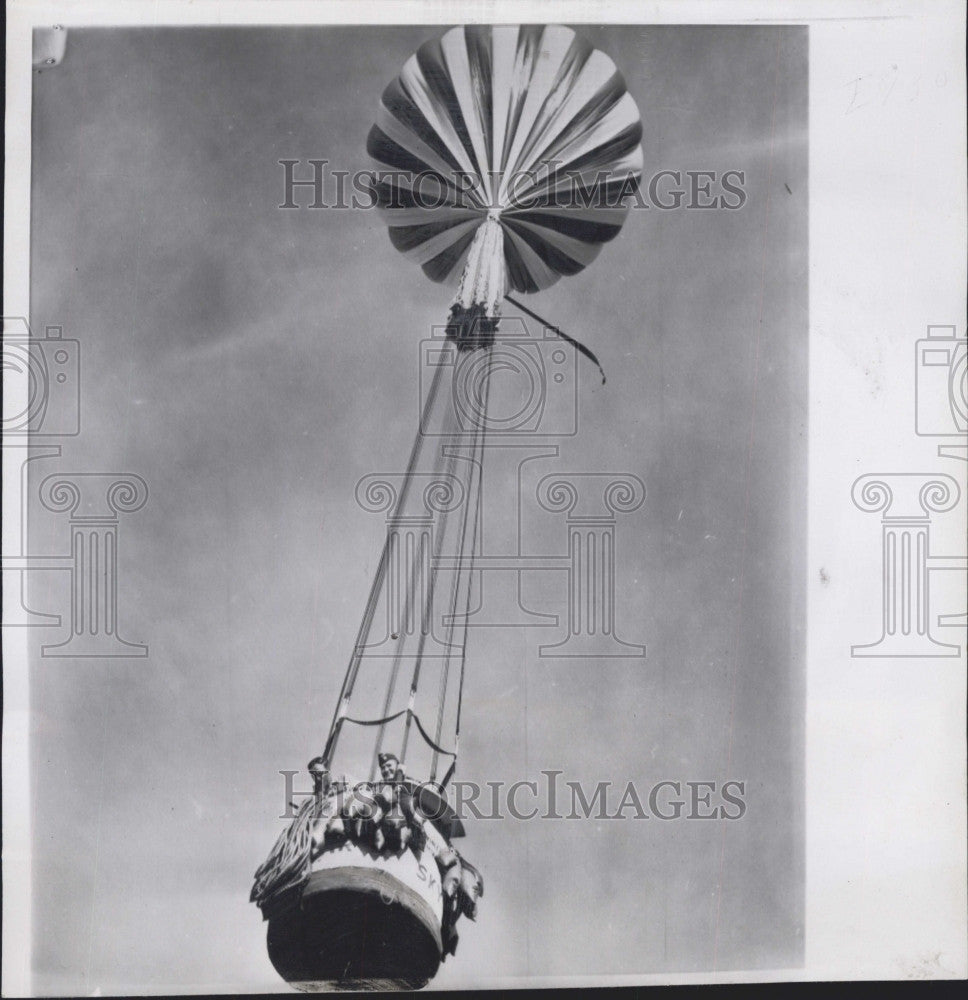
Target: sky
252	364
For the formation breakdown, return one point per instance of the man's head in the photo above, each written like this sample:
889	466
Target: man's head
319	772
389	765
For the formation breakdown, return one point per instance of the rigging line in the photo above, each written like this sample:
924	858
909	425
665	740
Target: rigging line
474	537
462	578
445	670
398	508
425	627
401	626
352	669
577	344
474	465
478	432
472	461
393	718
446	470
427	609
448	644
425	735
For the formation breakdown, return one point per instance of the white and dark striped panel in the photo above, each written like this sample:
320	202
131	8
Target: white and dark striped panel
530	121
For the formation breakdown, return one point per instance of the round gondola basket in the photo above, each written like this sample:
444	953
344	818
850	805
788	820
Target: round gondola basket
362	920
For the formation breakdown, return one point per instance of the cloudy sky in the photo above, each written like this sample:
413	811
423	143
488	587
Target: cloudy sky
253	364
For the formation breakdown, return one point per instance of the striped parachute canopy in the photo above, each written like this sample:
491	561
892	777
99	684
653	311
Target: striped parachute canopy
505	155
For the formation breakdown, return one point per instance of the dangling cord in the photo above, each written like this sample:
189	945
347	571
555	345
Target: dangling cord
580	347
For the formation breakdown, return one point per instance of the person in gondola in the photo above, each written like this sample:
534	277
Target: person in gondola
319	773
391	769
319	829
357	808
397	802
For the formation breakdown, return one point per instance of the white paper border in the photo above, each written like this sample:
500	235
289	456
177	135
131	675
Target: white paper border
885	756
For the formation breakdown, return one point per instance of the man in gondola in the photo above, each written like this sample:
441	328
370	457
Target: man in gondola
390	768
319	773
397	801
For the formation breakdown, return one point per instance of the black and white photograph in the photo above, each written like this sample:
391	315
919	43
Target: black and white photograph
483	496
